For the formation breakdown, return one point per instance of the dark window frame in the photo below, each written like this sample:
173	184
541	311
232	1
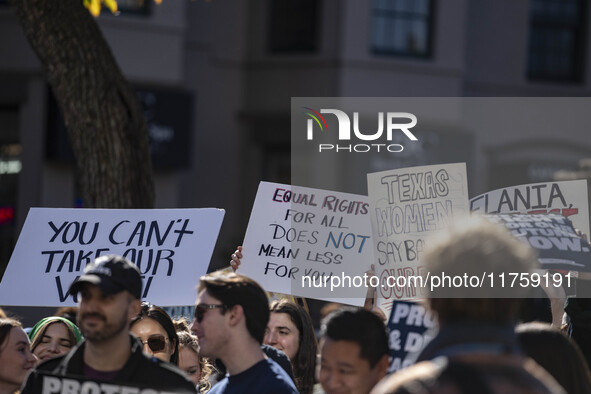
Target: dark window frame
281	33
551	27
409	16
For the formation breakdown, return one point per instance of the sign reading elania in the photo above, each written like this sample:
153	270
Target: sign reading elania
171	247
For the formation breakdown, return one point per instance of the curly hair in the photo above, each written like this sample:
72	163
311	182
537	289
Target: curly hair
189	341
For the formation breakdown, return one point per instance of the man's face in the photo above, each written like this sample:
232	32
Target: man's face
212	330
342	370
101	316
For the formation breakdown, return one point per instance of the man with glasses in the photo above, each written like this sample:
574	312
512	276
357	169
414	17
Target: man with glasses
110	359
231	315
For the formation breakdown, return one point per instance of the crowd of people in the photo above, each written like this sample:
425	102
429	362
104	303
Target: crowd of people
238	342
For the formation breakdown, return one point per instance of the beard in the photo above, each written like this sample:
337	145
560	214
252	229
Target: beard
106	331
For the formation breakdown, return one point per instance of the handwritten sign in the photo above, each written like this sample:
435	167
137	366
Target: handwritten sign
407	205
568	198
171	247
553	236
408	326
309	242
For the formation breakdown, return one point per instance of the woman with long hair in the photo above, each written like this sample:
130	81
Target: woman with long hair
53	336
290	330
155	329
16	358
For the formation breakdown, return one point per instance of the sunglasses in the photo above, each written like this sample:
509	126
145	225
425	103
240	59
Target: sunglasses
156	343
200	310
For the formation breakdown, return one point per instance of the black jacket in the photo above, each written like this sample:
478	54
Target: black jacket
140	370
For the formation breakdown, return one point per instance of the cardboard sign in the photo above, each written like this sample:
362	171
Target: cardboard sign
568	198
408	325
406	206
308	242
553	236
171	247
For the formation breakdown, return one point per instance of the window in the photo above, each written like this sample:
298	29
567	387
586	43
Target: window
293	25
134	7
556	45
402	27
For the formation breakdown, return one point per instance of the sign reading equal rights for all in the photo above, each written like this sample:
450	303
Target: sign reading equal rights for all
309	242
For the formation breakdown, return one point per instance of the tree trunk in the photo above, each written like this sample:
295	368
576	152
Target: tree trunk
104	119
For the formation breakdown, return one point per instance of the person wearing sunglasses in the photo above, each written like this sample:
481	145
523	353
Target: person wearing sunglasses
231	314
155	329
109	292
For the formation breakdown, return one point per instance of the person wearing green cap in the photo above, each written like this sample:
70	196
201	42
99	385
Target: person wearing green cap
53	336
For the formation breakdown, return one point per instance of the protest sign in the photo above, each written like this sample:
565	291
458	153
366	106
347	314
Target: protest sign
308	242
171	247
408	325
568	198
406	206
554	238
49	383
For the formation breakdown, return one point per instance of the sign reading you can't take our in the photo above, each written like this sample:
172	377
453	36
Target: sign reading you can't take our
171	247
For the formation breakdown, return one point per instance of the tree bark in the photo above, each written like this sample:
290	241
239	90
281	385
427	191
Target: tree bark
104	119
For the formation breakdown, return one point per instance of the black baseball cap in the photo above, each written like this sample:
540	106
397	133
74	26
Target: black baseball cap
112	274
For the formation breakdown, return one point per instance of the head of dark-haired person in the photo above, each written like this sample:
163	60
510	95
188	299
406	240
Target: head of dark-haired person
235	289
353	351
290	330
231	314
154	327
557	354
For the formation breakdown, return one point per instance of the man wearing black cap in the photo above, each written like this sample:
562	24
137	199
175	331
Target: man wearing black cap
109	293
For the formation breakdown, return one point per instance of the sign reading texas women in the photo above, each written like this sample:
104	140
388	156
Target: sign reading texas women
171	247
406	206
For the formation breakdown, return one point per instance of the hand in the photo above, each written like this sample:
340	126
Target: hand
236	256
557	296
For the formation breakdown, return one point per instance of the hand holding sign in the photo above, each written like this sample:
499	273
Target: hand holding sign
308	242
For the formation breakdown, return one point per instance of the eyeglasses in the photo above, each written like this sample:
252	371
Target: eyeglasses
156	343
200	310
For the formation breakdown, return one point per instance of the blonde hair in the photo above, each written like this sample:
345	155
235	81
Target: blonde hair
189	341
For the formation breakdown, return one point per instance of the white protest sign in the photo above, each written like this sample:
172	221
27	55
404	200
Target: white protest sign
309	242
171	247
568	198
406	206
